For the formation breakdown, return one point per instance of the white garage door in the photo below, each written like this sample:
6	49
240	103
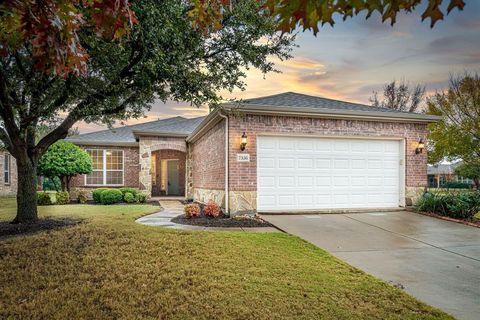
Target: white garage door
300	173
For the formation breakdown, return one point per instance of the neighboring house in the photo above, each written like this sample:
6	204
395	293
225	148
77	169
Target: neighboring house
281	153
442	173
8	174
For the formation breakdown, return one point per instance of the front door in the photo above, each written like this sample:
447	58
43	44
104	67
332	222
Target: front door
173	181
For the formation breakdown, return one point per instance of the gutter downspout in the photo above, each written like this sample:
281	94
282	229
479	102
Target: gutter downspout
227	198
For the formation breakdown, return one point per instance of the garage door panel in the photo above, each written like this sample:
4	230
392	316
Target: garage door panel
266	181
341	146
286	163
299	173
286	199
341	163
323	181
286	181
265	163
305	163
323	146
287	145
359	164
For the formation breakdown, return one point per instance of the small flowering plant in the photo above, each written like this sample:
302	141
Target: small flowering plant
212	209
191	210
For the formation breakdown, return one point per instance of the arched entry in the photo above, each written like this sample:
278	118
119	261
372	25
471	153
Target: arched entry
168	172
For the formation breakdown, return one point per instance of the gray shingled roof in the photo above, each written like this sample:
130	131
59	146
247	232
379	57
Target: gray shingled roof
298	100
178	126
443	168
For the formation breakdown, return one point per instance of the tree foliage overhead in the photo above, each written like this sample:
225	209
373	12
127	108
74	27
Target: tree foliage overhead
309	14
50	28
401	97
458	134
64	160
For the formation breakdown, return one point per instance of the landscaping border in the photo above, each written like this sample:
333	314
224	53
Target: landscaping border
433	215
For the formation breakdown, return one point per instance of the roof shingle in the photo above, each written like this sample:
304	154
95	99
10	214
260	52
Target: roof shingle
298	100
126	135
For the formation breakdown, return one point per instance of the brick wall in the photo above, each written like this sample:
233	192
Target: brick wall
11	188
243	175
208	159
130	170
166	155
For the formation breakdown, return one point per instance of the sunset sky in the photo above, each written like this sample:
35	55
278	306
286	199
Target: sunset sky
357	56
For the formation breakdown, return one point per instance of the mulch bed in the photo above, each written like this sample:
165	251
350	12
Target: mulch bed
223	222
8	229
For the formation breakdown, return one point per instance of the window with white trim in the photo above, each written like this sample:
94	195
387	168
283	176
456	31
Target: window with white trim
6	169
107	169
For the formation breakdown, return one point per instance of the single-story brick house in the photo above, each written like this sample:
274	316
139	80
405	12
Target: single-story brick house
286	152
8	174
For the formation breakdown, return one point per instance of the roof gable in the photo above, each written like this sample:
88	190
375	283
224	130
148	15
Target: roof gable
176	126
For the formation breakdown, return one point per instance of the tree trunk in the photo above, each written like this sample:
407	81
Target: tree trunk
27	192
64	183
68	178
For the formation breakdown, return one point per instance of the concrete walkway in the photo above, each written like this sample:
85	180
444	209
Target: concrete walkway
174	208
436	261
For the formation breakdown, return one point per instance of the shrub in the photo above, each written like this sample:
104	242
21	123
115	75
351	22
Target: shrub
44	199
462	205
97	194
82	196
128	190
456	185
191	210
141	198
111	196
465	206
129	197
212	209
63	197
434	203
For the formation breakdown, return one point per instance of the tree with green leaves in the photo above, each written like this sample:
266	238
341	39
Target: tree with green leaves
470	171
399	96
106	60
64	160
164	57
457	136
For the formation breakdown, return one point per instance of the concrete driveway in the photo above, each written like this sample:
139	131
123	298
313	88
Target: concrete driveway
436	261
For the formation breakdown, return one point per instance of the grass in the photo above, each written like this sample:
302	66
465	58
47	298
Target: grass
109	267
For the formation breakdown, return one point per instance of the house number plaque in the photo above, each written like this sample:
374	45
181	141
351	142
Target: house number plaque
243	157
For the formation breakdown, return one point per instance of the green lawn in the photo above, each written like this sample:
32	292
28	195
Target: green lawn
109	267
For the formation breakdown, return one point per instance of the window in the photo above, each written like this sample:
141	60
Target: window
6	169
154	169
107	167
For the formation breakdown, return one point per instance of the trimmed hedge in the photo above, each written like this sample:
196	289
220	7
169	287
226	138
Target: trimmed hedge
129	197
63	197
82	196
142	198
456	185
44	199
97	194
128	190
111	196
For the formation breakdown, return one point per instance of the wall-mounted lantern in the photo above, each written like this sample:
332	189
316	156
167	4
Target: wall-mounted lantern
244	141
420	146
